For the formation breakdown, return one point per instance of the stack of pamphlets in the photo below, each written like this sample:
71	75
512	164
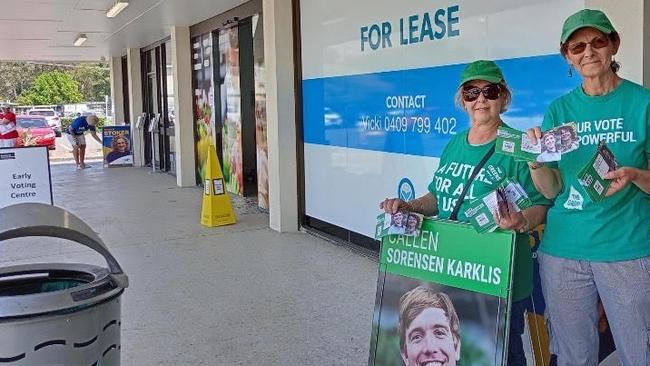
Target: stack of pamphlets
550	147
592	175
400	223
508	196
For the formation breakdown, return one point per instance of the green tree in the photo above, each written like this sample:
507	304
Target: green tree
17	77
53	87
94	81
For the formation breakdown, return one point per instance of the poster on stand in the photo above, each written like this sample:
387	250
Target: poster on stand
449	289
25	176
116	145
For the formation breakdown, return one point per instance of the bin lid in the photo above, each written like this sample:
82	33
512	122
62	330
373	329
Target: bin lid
34	289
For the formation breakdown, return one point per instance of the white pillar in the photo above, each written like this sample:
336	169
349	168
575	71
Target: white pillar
646	44
280	113
117	95
184	129
135	102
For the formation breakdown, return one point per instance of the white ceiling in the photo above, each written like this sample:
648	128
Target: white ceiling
44	30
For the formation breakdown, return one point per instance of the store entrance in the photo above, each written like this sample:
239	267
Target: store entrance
159	108
230	110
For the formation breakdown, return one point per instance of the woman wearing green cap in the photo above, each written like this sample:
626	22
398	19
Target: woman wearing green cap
484	95
592	250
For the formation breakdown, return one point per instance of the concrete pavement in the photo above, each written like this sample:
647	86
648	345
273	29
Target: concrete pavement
236	295
63	149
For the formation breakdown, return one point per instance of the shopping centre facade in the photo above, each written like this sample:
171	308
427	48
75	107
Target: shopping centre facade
322	109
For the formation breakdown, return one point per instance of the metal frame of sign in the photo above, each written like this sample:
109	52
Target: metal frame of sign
47	156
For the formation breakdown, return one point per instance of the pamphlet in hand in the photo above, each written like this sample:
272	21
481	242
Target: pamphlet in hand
400	223
509	195
550	147
592	175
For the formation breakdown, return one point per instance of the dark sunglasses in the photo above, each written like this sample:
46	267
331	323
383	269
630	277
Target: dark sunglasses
580	47
491	92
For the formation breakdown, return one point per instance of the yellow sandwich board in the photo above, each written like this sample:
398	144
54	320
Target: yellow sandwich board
216	209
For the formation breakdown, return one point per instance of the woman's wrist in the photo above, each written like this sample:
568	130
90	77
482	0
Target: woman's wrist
525	225
411	205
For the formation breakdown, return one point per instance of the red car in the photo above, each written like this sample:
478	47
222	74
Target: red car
36	131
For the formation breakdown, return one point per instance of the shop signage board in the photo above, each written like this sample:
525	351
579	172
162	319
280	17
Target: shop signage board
116	141
448	260
25	176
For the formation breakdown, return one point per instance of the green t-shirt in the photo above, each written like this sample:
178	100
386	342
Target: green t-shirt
456	165
618	227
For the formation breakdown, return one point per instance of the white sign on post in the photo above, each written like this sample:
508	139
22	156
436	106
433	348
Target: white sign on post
25	176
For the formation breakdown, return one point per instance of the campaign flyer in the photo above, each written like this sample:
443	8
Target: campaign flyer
592	175
509	195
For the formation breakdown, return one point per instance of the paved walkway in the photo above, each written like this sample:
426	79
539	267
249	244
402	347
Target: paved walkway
235	295
63	149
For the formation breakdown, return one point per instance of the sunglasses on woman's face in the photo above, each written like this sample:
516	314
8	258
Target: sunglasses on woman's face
490	91
580	47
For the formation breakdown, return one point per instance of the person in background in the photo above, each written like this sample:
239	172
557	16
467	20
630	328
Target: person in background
9	114
591	250
75	134
8	132
484	95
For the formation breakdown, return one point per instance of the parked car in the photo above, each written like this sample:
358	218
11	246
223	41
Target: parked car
34	131
53	119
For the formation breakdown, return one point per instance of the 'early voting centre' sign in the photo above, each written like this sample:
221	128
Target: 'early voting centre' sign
25	176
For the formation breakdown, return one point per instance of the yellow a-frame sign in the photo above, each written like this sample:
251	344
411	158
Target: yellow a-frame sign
216	209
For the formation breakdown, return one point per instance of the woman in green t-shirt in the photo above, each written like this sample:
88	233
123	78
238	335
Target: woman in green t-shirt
484	95
597	249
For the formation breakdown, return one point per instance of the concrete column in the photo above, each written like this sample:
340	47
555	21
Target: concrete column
646	44
629	23
184	130
135	100
117	95
280	113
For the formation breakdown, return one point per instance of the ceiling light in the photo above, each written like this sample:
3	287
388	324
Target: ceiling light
117	8
81	38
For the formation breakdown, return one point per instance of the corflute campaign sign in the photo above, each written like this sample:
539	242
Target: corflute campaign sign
449	278
25	176
116	141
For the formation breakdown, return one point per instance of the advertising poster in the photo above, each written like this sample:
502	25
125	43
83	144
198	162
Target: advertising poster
442	297
25	176
116	145
203	101
231	110
262	146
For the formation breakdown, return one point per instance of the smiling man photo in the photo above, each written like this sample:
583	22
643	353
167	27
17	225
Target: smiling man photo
429	329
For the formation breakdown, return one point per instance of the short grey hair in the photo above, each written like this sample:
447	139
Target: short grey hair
92	117
505	91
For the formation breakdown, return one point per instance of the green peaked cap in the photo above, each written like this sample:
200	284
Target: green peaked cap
481	70
586	18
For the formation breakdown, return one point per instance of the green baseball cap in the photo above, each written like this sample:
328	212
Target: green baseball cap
481	70
586	18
